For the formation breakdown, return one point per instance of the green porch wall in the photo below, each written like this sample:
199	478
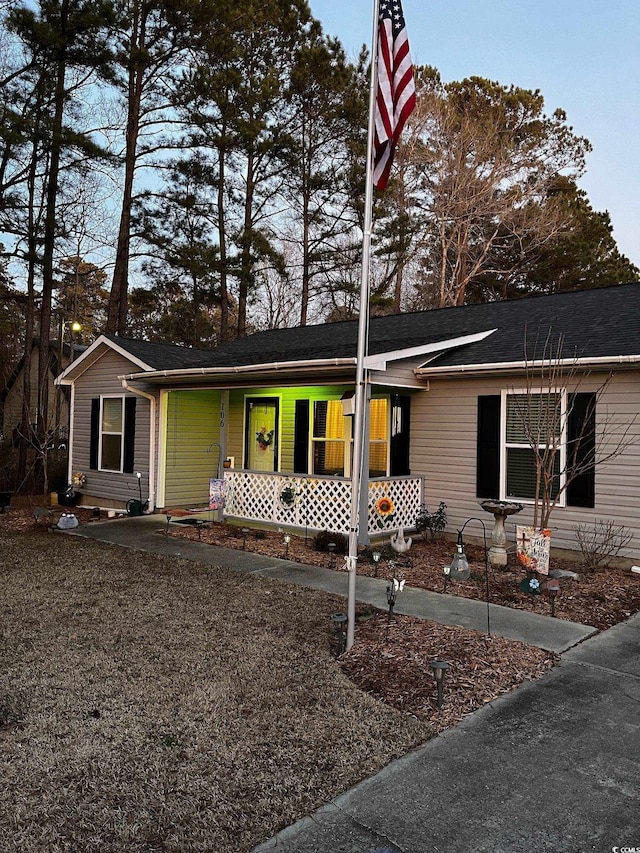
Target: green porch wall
287	397
193	423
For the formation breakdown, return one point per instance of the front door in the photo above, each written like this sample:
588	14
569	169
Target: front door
261	434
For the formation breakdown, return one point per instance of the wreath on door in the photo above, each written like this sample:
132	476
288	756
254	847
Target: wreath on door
264	438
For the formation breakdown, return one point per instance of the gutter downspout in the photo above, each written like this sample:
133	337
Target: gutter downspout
152	439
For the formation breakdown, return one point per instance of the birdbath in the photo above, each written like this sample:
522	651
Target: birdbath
500	510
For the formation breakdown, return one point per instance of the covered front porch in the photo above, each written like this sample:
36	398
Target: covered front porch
311	503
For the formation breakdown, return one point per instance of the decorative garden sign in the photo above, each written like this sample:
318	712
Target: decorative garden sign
217	493
533	549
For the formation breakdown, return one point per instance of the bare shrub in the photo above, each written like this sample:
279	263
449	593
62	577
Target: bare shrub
601	542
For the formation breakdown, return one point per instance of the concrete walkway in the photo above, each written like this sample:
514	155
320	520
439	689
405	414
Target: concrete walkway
553	766
142	533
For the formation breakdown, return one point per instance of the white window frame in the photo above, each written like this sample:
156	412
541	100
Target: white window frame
347	441
102	432
504	445
387	440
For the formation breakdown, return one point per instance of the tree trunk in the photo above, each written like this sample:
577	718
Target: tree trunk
246	264
50	232
118	299
222	234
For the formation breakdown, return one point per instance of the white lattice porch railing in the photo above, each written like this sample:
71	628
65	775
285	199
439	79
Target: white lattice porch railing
318	503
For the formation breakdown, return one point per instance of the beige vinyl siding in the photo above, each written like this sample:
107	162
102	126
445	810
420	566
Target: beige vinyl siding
443	449
400	374
193	425
105	487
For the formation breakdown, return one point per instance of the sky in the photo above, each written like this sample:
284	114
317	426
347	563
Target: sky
584	57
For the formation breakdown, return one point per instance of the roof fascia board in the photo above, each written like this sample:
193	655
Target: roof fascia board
88	353
379	361
595	361
275	367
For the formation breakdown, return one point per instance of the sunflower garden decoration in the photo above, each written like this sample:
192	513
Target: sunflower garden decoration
386	510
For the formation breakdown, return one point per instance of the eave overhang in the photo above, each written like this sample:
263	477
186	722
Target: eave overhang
291	372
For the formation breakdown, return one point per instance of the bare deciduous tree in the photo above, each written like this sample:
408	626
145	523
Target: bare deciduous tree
539	415
484	159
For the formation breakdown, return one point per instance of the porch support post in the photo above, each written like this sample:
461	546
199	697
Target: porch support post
224	436
363	527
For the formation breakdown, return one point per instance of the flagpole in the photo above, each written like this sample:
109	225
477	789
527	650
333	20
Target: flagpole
357	474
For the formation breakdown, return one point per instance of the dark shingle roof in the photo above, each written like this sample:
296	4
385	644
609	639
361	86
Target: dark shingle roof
595	323
161	356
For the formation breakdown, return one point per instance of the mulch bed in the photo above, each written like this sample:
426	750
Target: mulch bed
601	599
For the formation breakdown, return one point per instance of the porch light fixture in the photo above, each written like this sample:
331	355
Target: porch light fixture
287	540
460	570
245	533
331	548
348	401
339	622
439	668
375	556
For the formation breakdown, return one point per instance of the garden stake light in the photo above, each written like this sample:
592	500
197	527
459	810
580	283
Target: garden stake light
375	556
439	667
287	539
552	588
394	586
331	548
339	621
245	533
460	570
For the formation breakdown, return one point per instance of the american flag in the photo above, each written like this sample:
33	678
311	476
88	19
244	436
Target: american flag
395	88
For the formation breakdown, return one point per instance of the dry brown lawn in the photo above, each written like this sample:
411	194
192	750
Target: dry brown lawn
150	704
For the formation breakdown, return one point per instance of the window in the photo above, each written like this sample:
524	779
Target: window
533	423
332	439
494	452
378	438
111	434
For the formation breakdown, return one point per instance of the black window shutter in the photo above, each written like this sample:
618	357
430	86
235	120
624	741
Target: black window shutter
301	438
399	443
129	434
95	434
581	443
488	447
